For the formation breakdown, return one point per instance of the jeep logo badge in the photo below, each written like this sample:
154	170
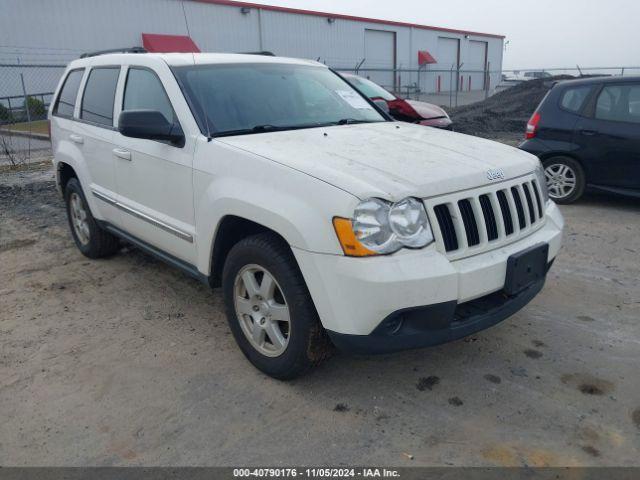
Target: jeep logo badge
495	174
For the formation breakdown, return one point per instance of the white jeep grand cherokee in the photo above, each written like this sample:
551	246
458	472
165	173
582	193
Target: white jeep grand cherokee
325	222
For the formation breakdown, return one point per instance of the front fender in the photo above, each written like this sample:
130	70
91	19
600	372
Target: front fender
295	205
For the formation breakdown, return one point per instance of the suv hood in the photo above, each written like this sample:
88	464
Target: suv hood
389	159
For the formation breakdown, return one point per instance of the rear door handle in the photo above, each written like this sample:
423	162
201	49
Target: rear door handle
122	153
588	133
76	138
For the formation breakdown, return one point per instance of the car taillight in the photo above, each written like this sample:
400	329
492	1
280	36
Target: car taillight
532	126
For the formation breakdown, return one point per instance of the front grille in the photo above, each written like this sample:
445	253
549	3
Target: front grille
446	226
491	217
506	212
470	225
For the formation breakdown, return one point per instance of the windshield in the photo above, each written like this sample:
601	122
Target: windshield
236	99
370	89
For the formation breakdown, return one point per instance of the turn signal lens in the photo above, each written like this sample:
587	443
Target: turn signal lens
348	241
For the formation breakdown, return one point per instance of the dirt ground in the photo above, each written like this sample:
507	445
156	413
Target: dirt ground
126	361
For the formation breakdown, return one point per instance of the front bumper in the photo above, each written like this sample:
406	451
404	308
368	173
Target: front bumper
354	296
435	324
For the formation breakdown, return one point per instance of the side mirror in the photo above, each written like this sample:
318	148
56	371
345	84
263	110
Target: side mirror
382	105
149	124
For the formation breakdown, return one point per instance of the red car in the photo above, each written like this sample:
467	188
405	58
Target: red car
411	111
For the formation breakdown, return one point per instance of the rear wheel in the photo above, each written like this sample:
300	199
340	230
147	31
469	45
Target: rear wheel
91	240
565	179
269	308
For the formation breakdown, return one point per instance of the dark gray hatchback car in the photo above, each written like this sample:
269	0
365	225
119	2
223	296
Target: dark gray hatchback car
587	135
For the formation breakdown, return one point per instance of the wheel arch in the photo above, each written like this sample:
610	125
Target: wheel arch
64	173
230	230
572	156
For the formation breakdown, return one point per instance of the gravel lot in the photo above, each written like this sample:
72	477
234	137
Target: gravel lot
127	361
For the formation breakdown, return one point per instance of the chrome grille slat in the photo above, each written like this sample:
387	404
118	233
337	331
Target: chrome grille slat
536	193
529	196
468	223
489	217
477	212
523	199
458	224
507	212
497	211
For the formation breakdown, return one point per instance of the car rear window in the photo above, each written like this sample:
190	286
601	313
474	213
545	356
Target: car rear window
66	103
99	95
573	99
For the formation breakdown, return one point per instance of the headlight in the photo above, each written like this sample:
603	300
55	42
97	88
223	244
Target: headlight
382	227
542	182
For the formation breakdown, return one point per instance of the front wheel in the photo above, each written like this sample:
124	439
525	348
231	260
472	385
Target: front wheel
269	308
565	179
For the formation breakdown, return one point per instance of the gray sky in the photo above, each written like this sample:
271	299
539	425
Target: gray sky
542	33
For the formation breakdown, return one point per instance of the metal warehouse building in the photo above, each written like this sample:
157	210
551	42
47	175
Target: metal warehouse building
391	53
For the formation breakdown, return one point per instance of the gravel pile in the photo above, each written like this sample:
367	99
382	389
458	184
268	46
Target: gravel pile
506	112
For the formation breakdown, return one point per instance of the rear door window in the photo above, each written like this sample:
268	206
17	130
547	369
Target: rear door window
99	96
619	103
66	102
574	98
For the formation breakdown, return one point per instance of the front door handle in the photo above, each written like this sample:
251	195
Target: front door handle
588	133
76	138
122	153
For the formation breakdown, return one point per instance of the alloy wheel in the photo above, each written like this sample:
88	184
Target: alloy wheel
561	180
262	310
79	218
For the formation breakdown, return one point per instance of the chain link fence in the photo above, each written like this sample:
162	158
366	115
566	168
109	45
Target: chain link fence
26	91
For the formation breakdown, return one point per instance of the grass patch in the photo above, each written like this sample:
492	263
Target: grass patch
39	126
25	167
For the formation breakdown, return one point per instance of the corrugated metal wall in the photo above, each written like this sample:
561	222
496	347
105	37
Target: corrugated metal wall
56	31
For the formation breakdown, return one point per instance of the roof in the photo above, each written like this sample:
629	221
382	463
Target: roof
183	59
601	79
299	11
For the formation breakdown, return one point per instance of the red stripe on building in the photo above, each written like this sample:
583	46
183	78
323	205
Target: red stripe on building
299	11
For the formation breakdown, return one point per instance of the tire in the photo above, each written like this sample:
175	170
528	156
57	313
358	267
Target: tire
573	170
306	343
91	240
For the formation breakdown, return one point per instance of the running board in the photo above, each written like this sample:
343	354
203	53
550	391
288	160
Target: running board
167	258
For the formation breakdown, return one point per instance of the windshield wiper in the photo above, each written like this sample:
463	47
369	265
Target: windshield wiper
260	129
352	121
280	128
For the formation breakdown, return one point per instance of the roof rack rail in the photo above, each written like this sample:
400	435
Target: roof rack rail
114	50
265	53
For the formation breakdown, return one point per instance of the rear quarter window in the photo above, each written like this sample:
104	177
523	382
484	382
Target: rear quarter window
66	102
573	99
619	103
99	96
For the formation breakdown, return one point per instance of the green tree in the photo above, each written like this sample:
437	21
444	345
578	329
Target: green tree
5	114
36	107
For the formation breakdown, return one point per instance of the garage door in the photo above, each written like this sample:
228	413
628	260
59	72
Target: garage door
380	52
448	57
477	63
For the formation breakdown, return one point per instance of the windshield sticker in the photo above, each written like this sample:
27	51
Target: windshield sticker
353	99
